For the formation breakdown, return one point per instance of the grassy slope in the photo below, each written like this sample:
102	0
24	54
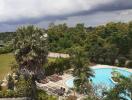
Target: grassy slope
51	59
5	61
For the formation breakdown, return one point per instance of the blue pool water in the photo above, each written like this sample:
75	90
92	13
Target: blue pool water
102	76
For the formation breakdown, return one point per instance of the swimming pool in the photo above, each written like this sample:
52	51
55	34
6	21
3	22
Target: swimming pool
102	76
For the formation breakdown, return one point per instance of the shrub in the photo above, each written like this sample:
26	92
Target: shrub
0	94
10	93
58	66
121	61
129	64
42	95
23	87
10	82
7	94
6	49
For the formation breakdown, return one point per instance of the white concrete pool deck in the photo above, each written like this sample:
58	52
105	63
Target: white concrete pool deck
108	66
57	84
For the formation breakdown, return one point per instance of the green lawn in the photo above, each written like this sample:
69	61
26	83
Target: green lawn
5	61
51	59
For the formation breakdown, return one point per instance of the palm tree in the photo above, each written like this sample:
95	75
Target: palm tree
82	72
30	45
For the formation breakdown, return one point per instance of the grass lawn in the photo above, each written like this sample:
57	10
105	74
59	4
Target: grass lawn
51	59
5	61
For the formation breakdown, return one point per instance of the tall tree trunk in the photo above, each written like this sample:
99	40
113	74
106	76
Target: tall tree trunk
74	91
33	89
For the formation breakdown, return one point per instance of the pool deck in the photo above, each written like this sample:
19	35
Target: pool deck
57	84
108	66
66	76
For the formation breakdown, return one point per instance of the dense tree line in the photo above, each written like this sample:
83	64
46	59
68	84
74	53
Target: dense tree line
6	36
5	42
103	44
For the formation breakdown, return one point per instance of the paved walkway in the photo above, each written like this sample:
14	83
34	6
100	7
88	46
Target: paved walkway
58	55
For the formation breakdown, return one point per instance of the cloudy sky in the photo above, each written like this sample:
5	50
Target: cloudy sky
14	13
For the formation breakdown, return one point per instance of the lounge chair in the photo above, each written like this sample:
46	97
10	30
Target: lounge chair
55	78
44	81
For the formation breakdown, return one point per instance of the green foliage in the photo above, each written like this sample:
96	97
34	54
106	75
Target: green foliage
7	94
14	67
115	73
6	36
31	50
10	82
62	38
57	66
23	87
81	72
6	49
128	64
121	61
42	95
103	44
121	90
5	41
30	45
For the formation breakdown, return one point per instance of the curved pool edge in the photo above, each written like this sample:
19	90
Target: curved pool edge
113	81
121	69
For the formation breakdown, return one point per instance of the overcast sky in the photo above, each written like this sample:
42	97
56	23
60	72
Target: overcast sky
14	13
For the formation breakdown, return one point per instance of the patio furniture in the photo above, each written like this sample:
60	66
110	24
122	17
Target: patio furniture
55	78
44	81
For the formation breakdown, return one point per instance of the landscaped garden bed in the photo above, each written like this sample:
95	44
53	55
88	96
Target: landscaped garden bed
116	76
116	79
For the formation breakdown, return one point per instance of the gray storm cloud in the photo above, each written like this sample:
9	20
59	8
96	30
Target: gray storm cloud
37	10
17	12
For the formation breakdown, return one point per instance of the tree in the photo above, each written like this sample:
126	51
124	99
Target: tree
122	90
82	72
30	45
10	83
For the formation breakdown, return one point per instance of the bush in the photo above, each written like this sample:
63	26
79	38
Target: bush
128	64
121	61
7	94
10	83
6	49
0	94
42	95
58	66
23	87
